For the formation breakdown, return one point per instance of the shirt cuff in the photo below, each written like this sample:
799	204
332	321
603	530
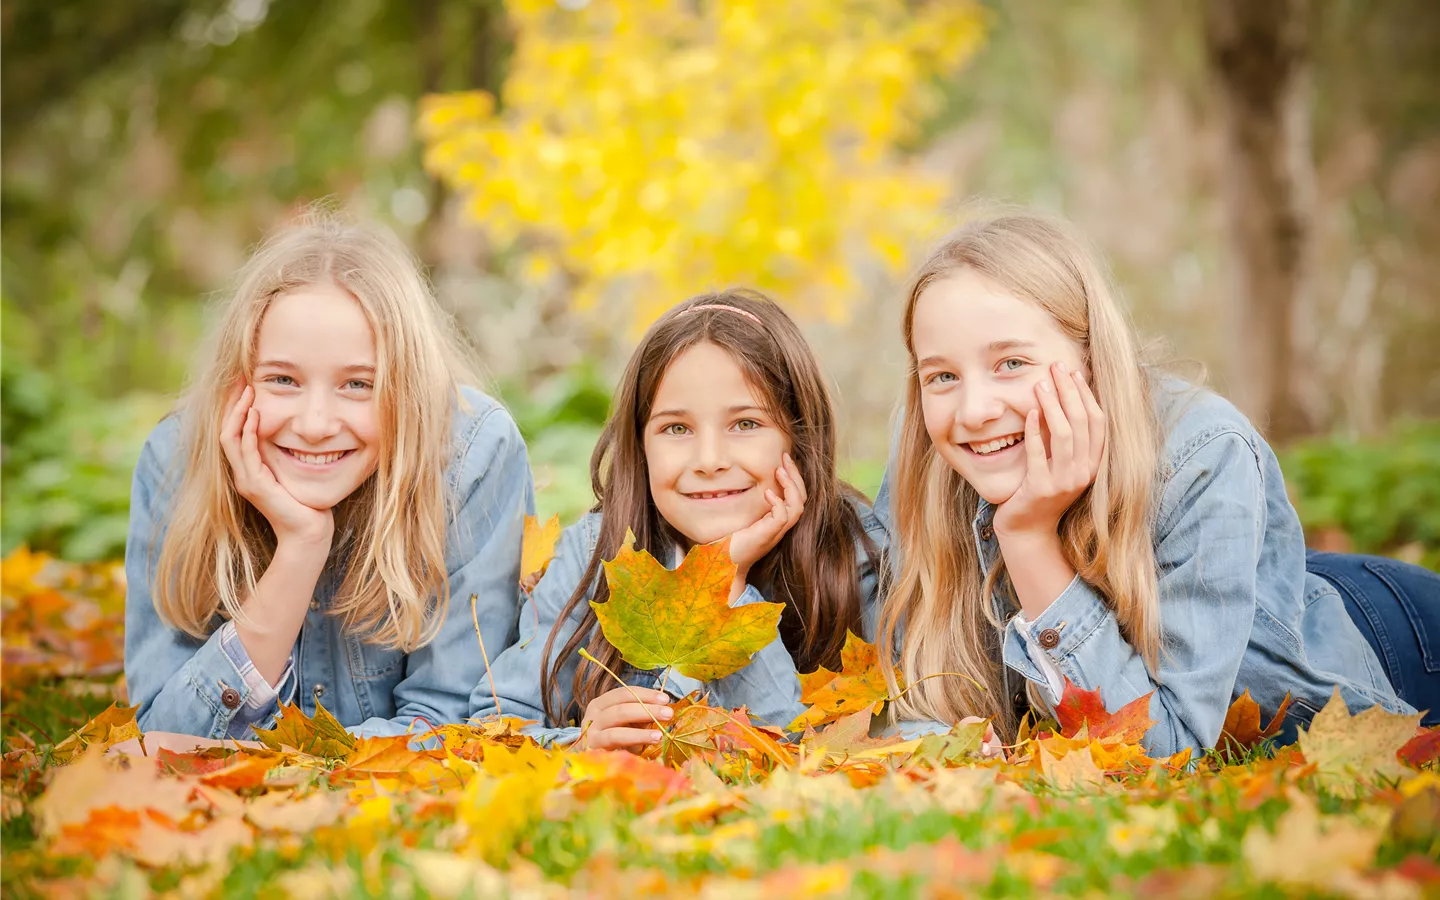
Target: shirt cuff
1054	684
260	695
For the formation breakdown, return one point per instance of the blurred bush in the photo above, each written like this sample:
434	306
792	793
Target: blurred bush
66	465
1380	495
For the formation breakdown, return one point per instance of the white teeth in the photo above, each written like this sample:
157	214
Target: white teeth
714	495
317	459
997	444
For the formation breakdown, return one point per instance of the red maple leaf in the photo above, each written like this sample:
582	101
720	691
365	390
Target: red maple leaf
1079	708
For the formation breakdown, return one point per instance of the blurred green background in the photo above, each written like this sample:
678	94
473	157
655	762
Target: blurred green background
147	146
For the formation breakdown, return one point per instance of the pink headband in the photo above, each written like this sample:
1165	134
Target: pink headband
749	315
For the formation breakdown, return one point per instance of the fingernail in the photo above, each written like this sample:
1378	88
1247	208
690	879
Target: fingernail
662	698
666	713
655	737
1045	386
1060	366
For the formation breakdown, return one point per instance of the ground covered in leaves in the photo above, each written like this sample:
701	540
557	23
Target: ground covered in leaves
724	808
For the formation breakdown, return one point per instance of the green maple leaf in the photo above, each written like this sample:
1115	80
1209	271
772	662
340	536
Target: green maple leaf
682	618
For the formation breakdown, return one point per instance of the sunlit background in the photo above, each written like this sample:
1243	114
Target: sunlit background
568	170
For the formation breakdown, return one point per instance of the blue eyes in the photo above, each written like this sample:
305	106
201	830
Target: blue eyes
354	384
1009	364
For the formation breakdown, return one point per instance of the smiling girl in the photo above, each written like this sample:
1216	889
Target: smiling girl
311	524
1062	511
721	427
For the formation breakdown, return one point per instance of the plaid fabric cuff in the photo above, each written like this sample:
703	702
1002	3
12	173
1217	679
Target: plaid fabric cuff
259	694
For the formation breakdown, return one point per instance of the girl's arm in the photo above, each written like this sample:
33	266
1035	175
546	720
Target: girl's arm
496	493
183	684
515	691
1207	551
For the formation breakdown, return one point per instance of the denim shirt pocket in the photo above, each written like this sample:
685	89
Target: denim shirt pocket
375	670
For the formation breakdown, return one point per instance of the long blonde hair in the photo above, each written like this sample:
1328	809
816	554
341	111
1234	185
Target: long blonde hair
391	531
946	607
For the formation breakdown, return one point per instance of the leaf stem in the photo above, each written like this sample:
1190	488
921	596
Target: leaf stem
475	617
935	675
585	654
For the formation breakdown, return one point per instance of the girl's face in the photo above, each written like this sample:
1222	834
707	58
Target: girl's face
711	446
979	354
314	391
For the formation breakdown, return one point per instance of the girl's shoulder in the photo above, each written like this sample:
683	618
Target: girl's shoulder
484	434
1191	417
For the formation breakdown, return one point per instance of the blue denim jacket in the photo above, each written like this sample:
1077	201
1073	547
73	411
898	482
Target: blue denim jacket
767	687
1237	609
179	681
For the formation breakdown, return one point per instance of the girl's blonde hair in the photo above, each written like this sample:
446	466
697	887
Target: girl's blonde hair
391	530
946	607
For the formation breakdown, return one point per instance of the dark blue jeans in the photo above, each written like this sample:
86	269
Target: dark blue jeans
1397	608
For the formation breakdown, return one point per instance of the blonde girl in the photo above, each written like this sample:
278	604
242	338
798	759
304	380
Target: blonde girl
314	521
1061	511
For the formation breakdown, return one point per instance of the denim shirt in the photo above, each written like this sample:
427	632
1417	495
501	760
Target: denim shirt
768	686
1237	609
183	684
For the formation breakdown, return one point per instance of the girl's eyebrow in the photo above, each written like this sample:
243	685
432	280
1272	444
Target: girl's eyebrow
1009	344
287	364
733	410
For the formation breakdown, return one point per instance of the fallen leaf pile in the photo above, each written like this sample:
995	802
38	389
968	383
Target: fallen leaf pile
722	808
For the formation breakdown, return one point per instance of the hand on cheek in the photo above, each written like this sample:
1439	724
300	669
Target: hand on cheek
1068	411
291	519
749	545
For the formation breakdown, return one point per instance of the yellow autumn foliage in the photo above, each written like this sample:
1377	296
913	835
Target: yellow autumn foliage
656	148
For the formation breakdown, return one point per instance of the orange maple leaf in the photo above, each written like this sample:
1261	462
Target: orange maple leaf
1242	730
1079	707
859	684
682	618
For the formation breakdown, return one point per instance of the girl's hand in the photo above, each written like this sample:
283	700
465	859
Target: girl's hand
1077	444
610	717
990	747
749	545
254	481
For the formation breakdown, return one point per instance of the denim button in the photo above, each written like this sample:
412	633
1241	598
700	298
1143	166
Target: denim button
318	691
1049	639
230	697
987	533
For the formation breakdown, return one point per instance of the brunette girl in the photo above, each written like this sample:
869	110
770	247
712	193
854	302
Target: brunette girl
721	428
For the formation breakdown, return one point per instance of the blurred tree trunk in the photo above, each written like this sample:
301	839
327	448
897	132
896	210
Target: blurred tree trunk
1258	54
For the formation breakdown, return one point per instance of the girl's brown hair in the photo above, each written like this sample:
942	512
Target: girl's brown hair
812	569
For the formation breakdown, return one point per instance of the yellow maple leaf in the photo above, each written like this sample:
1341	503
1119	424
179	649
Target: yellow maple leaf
859	684
506	798
1349	752
1310	850
114	725
682	618
321	736
537	548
